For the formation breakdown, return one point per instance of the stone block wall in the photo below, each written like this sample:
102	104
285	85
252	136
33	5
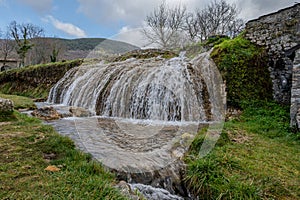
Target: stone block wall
295	99
279	33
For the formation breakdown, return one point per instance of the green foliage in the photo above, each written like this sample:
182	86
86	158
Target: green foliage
53	57
244	68
271	119
257	157
218	39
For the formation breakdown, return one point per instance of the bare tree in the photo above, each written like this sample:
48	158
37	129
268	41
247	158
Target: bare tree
22	33
45	50
219	18
6	47
203	24
163	25
236	27
191	26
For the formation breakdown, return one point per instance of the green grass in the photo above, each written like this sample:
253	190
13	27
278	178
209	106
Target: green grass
24	146
19	101
257	157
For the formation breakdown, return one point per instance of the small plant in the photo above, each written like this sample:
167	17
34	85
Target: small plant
53	57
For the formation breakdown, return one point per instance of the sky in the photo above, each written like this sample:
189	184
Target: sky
115	19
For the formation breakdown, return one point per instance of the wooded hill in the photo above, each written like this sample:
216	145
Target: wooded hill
81	48
68	49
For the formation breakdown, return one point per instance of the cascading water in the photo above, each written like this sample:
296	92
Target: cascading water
152	89
146	112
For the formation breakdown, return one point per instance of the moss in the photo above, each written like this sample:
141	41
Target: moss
244	67
215	40
144	54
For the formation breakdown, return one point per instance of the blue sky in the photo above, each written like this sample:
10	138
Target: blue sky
107	18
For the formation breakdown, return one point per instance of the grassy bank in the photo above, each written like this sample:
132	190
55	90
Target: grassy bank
27	148
19	101
35	81
257	157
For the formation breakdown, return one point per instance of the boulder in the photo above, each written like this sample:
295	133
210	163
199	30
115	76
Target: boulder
125	189
6	105
79	112
46	113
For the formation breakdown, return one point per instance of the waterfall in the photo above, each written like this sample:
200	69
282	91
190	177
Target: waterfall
156	89
147	111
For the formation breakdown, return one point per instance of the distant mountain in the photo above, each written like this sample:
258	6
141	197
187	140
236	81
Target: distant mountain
93	47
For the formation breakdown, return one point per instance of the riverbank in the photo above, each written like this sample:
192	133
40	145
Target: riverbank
257	157
38	163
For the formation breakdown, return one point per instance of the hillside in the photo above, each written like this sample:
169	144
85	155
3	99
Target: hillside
71	49
81	48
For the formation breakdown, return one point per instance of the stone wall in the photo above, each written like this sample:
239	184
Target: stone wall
279	33
295	100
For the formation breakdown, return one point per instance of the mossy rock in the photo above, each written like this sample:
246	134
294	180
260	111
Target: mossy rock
244	67
145	54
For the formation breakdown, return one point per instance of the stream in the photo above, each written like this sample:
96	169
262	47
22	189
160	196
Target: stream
143	114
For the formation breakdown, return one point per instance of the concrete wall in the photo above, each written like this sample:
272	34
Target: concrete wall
279	33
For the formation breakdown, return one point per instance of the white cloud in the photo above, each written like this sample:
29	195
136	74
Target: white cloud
41	6
255	8
65	27
133	12
130	35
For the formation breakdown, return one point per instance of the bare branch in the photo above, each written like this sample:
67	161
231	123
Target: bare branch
163	25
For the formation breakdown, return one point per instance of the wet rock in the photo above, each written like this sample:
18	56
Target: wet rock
126	190
6	105
169	179
154	193
79	112
232	113
46	113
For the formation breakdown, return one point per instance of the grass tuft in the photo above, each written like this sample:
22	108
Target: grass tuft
28	147
257	157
